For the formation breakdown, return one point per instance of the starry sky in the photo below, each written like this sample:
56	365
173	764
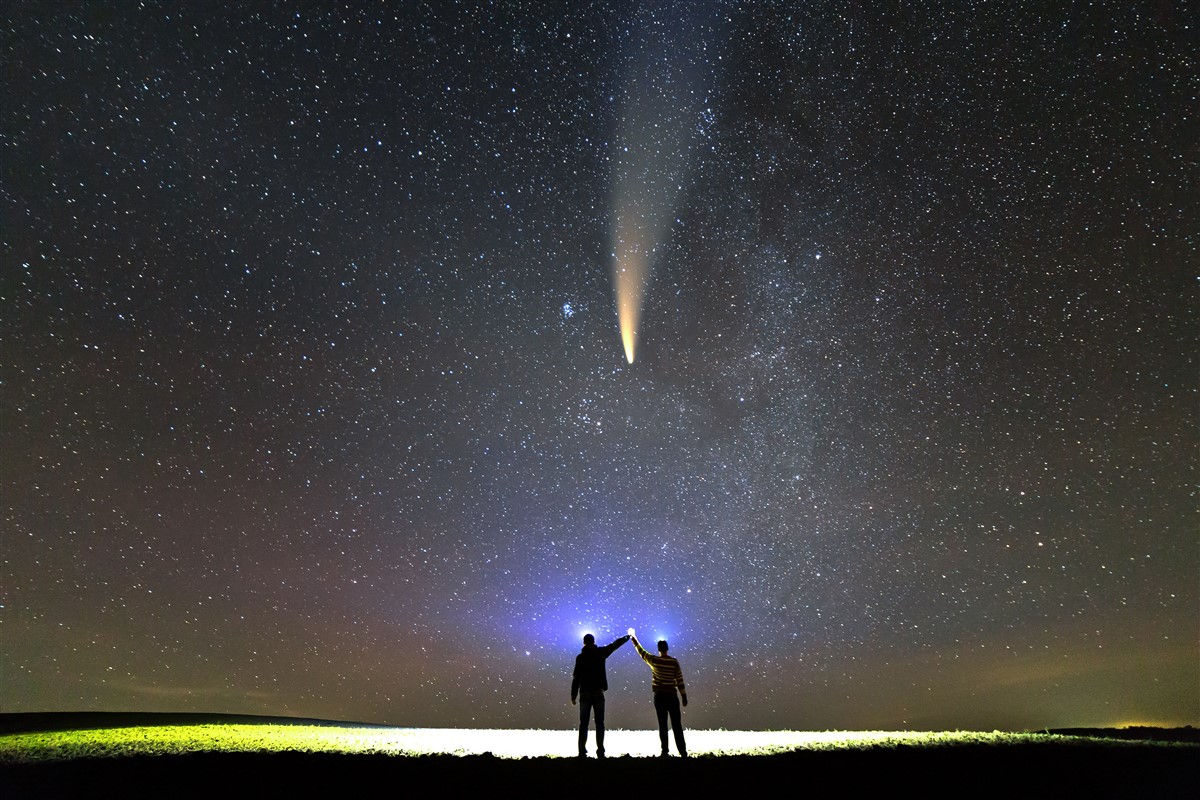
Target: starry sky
315	402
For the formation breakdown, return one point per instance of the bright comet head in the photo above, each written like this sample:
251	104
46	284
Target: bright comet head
629	275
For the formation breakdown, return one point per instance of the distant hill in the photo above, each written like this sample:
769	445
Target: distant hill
86	720
1186	734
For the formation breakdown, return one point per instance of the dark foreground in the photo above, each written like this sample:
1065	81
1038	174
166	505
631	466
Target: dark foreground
1067	770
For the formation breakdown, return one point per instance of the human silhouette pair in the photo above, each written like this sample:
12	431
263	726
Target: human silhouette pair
589	682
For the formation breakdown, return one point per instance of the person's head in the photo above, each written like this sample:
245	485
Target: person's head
589	639
662	646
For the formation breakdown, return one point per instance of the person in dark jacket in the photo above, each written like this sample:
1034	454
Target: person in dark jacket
589	682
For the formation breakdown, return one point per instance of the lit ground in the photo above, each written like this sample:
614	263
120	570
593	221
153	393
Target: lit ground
267	738
128	756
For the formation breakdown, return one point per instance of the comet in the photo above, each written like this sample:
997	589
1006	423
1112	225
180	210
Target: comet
662	112
630	276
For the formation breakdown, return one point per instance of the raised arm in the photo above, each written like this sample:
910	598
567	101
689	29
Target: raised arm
641	651
608	649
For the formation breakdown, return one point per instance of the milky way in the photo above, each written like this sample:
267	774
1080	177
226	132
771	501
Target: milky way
314	402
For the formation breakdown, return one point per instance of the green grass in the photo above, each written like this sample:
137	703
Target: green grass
268	738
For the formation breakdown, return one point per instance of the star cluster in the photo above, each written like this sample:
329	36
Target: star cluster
315	404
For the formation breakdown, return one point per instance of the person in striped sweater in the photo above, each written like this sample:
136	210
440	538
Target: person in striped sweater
665	678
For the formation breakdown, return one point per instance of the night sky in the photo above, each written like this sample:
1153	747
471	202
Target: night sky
315	401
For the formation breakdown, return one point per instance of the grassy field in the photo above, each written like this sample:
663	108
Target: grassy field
107	756
157	740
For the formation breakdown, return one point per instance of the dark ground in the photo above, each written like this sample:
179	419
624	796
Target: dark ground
1102	769
1037	771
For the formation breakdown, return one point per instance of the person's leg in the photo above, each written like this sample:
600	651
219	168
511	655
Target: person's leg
598	709
677	724
660	708
585	712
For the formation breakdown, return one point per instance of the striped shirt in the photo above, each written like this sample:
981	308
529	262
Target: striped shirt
666	676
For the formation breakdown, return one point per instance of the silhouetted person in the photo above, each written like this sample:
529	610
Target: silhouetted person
665	678
589	681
